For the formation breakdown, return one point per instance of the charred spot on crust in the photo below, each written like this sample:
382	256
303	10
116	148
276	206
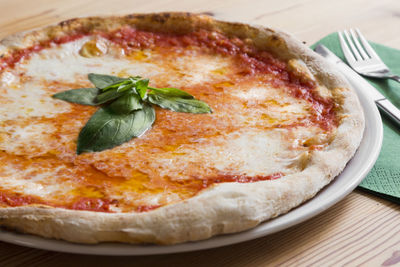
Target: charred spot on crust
277	41
274	38
132	16
67	22
161	18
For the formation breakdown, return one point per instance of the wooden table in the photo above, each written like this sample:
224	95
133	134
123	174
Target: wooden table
359	230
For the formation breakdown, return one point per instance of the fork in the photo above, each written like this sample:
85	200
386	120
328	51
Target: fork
362	57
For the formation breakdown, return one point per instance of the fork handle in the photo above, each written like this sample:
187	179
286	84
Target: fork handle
396	78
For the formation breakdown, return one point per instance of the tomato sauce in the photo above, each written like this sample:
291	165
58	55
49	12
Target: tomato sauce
230	178
21	54
251	60
14	199
92	204
199	184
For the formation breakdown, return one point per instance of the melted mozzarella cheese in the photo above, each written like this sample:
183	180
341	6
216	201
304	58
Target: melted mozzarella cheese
26	139
254	152
27	100
199	70
239	138
64	63
36	180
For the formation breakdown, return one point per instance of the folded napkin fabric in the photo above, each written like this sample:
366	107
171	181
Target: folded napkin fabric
384	178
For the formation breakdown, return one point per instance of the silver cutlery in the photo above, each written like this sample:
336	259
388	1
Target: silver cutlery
356	80
362	57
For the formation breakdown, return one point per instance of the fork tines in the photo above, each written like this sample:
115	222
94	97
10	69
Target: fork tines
358	51
362	57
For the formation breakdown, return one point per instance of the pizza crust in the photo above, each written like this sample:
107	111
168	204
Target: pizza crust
222	208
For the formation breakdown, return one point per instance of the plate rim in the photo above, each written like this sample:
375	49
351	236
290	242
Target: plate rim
372	116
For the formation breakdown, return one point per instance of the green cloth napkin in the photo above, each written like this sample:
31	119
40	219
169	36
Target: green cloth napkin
384	178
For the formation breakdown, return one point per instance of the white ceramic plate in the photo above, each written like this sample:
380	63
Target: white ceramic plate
352	175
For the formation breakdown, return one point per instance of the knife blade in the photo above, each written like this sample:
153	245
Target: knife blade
357	81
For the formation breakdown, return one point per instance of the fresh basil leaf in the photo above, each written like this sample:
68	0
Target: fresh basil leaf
141	87
108	96
102	81
106	129
172	92
126	103
134	79
125	87
83	96
117	85
179	104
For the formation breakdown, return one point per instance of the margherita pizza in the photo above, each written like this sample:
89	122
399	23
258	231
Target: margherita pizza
283	125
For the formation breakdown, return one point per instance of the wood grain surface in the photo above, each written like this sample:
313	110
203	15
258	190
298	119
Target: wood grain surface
361	230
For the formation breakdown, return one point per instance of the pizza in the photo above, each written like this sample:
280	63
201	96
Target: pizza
284	123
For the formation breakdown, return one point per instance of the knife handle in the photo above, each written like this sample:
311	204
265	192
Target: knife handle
396	78
390	109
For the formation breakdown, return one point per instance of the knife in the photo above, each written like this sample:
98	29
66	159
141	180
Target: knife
356	80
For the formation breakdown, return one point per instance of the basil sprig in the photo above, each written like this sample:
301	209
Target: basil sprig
125	109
